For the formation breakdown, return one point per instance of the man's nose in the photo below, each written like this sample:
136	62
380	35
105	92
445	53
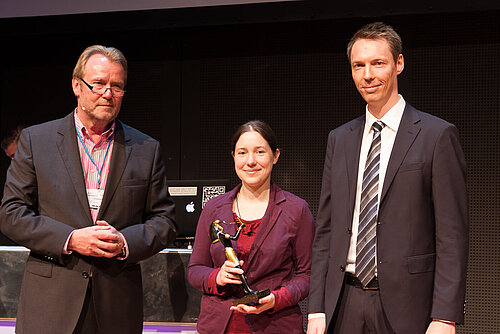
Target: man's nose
368	72
108	94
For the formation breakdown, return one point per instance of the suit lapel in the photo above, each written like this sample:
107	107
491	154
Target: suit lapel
119	158
352	146
68	149
407	132
268	222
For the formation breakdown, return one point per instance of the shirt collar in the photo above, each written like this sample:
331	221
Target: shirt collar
392	118
104	136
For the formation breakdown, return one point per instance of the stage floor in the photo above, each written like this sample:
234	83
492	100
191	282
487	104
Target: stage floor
7	326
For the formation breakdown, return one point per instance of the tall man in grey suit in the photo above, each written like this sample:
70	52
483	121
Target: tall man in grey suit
87	195
391	243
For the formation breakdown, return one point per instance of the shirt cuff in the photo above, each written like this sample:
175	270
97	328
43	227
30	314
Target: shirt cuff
282	299
124	254
213	288
65	250
315	315
444	321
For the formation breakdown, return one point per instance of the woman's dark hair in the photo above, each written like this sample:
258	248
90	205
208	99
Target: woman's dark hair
260	127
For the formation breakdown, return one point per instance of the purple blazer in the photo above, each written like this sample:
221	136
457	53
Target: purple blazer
280	257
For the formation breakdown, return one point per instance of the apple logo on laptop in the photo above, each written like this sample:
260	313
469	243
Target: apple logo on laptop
190	207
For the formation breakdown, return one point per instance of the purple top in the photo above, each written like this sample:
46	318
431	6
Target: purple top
280	256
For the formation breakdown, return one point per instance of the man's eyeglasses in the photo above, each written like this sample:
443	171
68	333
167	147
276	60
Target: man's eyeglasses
99	89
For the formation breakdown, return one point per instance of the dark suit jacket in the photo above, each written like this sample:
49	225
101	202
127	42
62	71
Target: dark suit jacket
45	199
280	256
422	235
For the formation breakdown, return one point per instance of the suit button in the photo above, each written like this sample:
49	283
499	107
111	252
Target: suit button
342	268
85	275
349	231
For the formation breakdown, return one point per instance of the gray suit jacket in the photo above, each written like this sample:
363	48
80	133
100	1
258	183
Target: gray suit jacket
45	199
422	234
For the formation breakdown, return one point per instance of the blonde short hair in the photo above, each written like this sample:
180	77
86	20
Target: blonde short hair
111	53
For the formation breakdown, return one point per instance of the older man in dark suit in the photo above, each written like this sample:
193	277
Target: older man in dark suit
391	243
87	195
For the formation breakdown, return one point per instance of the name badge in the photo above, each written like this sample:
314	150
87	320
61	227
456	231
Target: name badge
95	197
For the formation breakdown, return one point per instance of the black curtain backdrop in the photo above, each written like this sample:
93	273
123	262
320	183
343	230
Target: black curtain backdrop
191	85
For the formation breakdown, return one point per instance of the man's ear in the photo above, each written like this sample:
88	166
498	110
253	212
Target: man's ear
400	64
76	86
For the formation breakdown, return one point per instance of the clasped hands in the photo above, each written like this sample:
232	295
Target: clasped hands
228	274
100	240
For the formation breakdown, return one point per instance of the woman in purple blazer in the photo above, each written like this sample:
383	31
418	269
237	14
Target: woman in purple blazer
274	248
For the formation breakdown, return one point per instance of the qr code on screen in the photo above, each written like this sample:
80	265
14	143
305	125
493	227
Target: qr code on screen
210	192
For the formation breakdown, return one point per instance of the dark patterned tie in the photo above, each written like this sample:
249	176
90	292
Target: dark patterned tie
368	211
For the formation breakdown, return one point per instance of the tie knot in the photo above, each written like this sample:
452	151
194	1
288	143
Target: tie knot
378	126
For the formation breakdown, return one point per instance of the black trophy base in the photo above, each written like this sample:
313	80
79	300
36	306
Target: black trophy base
252	298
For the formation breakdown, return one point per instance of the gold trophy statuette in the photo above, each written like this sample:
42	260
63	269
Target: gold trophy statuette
217	234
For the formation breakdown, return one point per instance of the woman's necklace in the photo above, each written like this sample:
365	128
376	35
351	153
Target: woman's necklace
238	206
